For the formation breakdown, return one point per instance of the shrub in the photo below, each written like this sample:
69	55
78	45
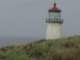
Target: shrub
17	54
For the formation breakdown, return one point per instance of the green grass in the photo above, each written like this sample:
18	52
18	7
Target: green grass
60	49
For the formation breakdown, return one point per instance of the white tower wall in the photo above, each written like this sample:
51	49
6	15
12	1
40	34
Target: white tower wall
54	31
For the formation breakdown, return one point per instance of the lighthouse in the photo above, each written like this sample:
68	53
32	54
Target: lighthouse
54	23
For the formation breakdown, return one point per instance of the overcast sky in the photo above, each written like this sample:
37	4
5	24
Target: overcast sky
26	18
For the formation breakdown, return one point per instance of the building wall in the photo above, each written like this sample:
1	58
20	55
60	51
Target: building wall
54	31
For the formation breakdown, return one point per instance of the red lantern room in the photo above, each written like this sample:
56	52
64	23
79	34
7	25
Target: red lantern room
54	15
54	8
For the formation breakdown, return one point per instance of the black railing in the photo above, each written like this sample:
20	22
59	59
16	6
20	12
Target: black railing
55	20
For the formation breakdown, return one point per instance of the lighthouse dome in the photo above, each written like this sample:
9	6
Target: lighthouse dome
54	8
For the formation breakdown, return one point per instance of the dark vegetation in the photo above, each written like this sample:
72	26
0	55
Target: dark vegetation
60	49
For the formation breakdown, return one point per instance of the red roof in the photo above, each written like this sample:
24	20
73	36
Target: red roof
54	8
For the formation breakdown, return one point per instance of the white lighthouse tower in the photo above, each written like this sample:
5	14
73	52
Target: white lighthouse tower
54	23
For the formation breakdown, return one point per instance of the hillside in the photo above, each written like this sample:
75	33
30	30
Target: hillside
60	49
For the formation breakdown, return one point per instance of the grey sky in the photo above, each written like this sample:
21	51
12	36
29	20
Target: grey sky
26	18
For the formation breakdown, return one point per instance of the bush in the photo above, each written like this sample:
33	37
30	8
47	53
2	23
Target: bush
17	54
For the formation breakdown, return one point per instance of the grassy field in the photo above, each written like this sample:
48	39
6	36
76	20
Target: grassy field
60	49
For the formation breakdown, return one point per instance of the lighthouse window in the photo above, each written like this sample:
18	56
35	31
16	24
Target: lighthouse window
54	15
